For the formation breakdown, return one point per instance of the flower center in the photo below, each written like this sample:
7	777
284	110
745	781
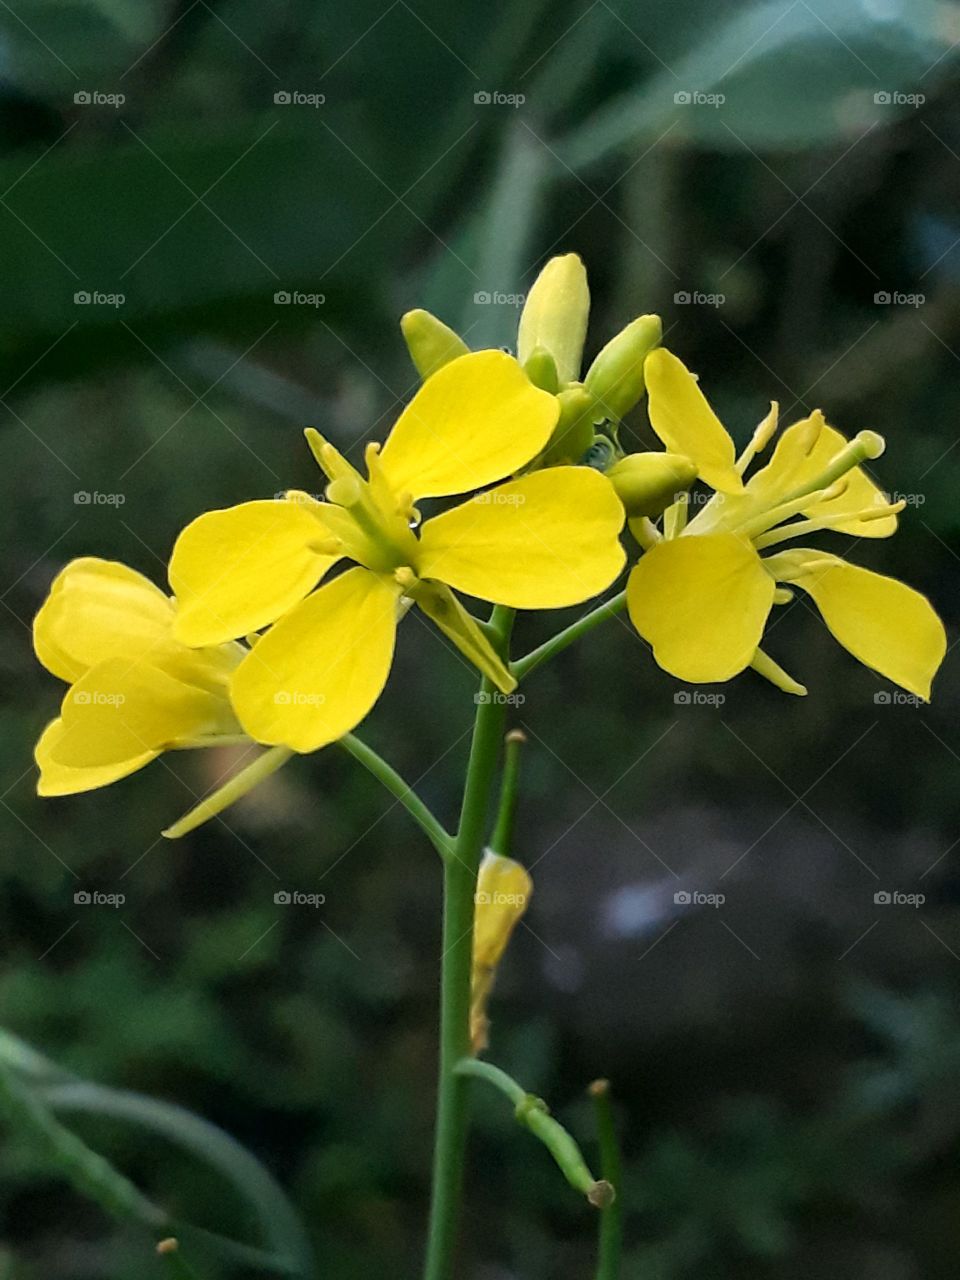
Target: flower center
372	523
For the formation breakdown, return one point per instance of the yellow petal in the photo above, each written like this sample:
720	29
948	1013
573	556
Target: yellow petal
315	675
237	570
702	603
884	623
98	609
61	780
476	420
682	418
803	451
544	541
119	710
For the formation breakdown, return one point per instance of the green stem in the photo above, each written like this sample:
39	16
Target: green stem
611	1221
563	639
441	840
534	1114
459	887
502	838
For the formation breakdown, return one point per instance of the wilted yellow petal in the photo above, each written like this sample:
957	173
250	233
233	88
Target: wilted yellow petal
476	420
316	674
544	541
682	418
236	570
61	780
97	609
502	896
702	603
884	623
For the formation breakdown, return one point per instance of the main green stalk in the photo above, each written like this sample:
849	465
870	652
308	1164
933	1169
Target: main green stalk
459	887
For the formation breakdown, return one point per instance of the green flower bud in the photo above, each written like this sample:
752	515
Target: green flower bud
540	367
573	434
615	378
430	342
555	315
648	483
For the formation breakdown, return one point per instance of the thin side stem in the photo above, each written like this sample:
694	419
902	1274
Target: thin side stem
439	837
611	1169
534	1114
459	887
563	639
502	839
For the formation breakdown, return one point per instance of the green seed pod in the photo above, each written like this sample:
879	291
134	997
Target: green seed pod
615	379
573	434
555	316
431	343
540	367
648	483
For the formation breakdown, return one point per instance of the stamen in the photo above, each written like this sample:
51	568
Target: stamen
326	546
761	437
802	527
782	595
405	578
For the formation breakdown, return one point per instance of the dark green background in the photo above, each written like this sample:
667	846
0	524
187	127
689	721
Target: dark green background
785	1066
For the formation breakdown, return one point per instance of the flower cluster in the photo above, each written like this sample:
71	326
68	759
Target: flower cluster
281	625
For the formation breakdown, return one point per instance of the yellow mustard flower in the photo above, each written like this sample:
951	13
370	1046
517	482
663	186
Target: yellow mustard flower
543	540
701	593
135	690
502	896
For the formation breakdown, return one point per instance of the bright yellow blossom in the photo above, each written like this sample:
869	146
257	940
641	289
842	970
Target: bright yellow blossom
701	594
543	540
135	690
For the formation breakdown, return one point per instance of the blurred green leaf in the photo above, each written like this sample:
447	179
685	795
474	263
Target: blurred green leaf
782	74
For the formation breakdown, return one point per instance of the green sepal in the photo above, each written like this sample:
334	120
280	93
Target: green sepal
440	604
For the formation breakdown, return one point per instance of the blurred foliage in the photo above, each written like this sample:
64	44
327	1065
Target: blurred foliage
782	1069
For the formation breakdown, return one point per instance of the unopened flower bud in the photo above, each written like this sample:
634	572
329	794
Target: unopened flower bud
648	483
573	434
615	379
503	892
431	343
555	316
540	367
